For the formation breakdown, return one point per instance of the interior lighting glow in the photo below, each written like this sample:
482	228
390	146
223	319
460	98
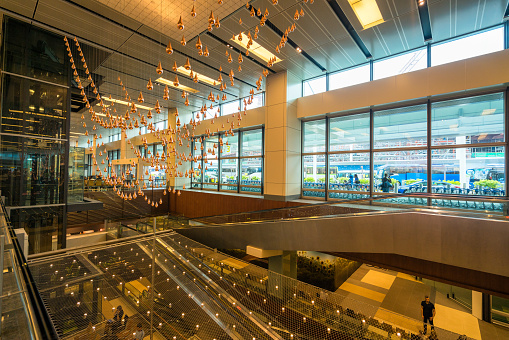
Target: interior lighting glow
118	101
257	49
487	112
180	87
367	12
201	77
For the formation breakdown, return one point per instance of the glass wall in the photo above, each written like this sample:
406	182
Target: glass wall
225	158
473	45
468	139
403	63
468	47
314	86
352	76
76	185
232	107
467	150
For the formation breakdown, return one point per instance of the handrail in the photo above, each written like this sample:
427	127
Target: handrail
45	324
229	218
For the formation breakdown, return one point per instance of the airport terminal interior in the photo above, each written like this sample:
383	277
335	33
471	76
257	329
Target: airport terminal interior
260	169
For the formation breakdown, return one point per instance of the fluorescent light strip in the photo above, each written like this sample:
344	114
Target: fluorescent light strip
367	12
118	101
201	77
257	49
180	87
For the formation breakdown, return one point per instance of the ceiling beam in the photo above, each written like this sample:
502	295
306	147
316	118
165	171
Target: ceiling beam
423	9
349	28
227	45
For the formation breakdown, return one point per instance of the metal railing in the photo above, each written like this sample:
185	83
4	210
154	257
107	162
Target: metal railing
22	311
492	206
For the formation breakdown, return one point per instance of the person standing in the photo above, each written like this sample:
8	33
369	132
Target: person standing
139	334
386	183
427	313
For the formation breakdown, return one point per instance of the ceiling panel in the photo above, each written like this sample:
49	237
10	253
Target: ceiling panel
450	18
318	26
164	15
25	7
108	12
338	54
77	21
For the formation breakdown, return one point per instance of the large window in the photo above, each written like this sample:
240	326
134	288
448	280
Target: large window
349	77
467	151
348	165
257	101
473	45
403	63
230	108
315	85
226	158
468	144
314	165
468	47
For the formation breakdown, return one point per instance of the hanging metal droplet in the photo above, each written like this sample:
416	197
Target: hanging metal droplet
169	49
159	68
240	21
140	98
301	12
206	52
240	58
183	41
180	24
193	12
217	23
187	65
174	67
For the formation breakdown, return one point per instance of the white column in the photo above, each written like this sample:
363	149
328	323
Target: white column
477	304
461	156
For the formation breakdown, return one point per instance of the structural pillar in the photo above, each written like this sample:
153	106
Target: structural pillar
282	175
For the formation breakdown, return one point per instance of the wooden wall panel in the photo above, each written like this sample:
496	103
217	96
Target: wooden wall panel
194	203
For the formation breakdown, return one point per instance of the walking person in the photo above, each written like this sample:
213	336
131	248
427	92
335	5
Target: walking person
427	313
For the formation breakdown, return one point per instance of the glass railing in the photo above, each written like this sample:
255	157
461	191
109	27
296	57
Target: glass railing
22	311
495	207
176	288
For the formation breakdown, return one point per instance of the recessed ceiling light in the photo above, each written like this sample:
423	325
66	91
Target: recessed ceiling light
180	87
367	12
299	49
257	49
118	101
200	76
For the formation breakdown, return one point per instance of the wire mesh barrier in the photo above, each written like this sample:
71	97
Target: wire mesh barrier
171	287
497	206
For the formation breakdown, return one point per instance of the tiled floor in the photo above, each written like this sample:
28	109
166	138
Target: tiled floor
397	298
